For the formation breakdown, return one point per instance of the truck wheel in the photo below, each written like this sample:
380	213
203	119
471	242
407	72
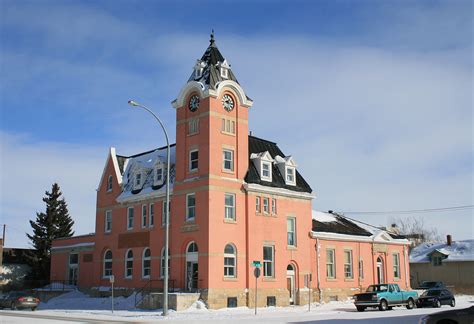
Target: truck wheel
383	305
453	303
360	308
437	303
410	304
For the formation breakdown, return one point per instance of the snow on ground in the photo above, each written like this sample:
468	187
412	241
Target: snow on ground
79	306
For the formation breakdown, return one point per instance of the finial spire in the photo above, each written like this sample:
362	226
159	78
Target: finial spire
212	41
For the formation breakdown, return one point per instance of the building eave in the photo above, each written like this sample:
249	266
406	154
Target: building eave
252	187
355	238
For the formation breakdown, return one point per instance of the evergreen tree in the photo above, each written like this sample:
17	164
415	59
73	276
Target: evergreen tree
52	224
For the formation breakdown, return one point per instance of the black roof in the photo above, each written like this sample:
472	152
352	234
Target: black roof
340	226
211	74
258	145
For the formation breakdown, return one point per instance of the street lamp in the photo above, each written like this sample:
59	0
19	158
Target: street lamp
167	216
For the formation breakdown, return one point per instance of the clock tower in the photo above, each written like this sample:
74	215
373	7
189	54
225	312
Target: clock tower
211	163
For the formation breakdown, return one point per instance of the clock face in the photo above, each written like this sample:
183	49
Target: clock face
227	102
194	103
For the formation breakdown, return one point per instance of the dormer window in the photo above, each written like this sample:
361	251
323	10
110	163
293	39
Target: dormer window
199	69
287	167
158	175
290	175
263	162
224	69
138	180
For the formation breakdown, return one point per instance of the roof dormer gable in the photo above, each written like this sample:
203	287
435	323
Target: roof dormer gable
287	167
198	69
223	69
263	162
159	172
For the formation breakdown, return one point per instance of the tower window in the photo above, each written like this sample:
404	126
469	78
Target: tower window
190	206
109	183
193	160
193	126
228	160
228	126
229	206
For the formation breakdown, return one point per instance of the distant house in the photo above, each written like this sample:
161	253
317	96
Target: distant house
450	262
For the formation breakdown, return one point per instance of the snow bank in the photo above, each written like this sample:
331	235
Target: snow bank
76	300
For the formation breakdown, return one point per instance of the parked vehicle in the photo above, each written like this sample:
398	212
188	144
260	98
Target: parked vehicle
431	284
385	296
19	300
436	298
459	316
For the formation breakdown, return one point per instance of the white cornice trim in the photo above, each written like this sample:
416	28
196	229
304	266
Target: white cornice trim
206	92
83	245
140	197
356	238
252	187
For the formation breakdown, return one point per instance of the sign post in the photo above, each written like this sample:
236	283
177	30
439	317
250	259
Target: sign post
112	279
256	273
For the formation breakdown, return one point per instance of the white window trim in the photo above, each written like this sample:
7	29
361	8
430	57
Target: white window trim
361	268
287	181
272	262
351	264
150	223
156	181
138	175
126	265
293	219
233	256
128	218
188	218
263	177
103	264
231	160
258	205
396	266
228	206
332	263
274	206
105	225
144	216
266	199
190	161
143	262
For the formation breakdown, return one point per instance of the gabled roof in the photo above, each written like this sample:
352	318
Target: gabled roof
258	145
211	74
457	251
325	222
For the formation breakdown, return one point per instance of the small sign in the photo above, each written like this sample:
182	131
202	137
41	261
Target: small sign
112	278
256	264
256	272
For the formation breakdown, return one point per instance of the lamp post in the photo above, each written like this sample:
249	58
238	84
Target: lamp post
167	216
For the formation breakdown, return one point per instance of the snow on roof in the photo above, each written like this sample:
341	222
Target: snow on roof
145	163
323	217
457	251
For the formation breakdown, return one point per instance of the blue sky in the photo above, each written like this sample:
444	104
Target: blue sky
372	98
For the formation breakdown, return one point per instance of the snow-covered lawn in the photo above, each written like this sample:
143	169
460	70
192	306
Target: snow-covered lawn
77	305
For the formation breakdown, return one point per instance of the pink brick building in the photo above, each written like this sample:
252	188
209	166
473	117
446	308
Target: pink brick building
235	199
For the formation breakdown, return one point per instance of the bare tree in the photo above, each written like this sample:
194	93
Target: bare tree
415	229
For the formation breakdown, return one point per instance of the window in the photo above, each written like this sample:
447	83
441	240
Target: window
163	213
130	218
129	264
193	160
231	302
146	263
108	221
144	218
152	215
265	205
109	183
193	126
257	204
229	261
274	206
228	126
190	206
229	202
266	171
73	259
436	261
107	264
228	160
361	269
290	175
348	264
162	264
330	264
138	179
268	261
291	231
224	72
159	172
396	265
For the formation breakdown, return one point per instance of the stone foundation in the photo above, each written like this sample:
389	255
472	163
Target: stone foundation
333	294
216	298
176	301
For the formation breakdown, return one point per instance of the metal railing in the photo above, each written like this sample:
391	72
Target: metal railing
152	285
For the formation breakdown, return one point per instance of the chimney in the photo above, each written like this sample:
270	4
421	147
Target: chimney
449	240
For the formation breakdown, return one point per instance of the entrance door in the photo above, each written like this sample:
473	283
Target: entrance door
73	268
73	276
290	282
380	272
192	267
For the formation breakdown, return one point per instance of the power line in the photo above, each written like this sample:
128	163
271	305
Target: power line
412	211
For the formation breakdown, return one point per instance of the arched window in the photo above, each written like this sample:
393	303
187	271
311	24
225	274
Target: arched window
229	261
192	247
146	263
109	183
162	267
107	264
129	264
